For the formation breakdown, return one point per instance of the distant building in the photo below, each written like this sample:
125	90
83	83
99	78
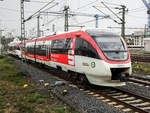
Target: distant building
136	40
1	47
147	44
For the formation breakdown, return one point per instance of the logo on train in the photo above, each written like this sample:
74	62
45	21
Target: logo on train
93	64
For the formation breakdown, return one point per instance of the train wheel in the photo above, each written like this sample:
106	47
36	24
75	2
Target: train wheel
69	75
72	77
84	81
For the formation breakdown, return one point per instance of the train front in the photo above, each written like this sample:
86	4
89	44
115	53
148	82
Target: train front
115	58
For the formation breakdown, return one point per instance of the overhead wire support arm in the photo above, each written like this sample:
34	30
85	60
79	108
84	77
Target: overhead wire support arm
107	15
123	21
38	11
146	4
66	28
111	11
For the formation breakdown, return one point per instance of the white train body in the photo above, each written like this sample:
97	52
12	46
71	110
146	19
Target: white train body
14	49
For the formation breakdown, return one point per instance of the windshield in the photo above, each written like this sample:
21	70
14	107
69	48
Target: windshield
108	43
112	47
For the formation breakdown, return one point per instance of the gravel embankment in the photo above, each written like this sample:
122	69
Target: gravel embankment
75	98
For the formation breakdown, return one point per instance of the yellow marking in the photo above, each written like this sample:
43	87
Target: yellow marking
65	91
119	106
101	97
127	110
112	103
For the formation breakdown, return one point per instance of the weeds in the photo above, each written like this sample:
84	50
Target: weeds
140	68
14	98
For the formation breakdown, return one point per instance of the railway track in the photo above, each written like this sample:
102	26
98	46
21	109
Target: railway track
117	97
137	58
127	101
139	81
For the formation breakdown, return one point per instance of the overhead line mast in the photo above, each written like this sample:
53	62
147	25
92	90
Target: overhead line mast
121	19
22	20
147	4
66	18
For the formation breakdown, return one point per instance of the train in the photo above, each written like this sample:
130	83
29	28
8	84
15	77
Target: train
98	56
14	48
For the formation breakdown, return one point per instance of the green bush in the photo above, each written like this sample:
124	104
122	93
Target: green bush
25	108
1	56
34	97
40	100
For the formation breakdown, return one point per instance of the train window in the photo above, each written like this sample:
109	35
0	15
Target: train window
112	47
30	49
68	43
41	50
58	43
84	48
61	46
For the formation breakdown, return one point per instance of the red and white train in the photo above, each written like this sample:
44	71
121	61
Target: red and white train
102	57
14	48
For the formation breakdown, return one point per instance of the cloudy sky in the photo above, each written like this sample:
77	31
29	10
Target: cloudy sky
10	15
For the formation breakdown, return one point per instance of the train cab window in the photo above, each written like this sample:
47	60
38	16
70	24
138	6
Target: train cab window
84	48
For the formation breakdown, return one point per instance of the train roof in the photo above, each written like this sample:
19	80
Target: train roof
99	32
90	31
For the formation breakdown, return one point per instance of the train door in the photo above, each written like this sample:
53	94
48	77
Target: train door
48	50
35	50
70	48
85	56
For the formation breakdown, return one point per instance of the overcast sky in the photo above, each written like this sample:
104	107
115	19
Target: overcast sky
10	15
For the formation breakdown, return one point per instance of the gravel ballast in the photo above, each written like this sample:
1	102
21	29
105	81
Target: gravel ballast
77	99
137	89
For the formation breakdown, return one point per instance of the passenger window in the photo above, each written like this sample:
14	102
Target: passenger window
61	46
58	43
41	50
84	48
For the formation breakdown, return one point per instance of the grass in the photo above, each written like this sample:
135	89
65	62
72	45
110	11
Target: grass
58	109
14	98
140	68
